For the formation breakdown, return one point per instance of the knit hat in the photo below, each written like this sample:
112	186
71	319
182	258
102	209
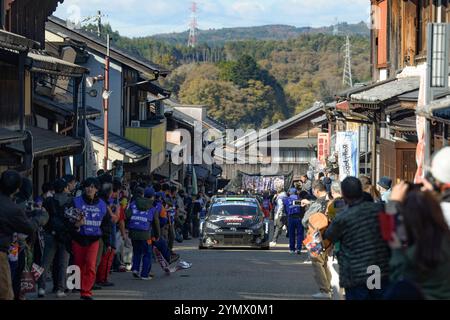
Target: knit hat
149	192
385	182
440	165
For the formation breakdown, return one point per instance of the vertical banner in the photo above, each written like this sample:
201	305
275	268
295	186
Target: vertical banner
322	147
348	153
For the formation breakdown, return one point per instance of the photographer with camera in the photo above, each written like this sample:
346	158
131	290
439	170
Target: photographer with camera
420	244
30	246
438	180
12	220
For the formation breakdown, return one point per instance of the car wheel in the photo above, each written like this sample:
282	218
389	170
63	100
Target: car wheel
265	248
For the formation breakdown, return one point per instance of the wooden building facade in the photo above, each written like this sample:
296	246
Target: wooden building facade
398	34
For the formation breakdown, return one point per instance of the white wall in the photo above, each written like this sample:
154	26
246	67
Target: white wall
96	64
198	113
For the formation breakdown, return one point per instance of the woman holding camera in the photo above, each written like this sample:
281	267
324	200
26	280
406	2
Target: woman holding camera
420	245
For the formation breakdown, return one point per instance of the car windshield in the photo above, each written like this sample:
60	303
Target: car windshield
248	209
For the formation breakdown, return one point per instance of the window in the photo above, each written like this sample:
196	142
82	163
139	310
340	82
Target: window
294	156
382	34
424	16
234	210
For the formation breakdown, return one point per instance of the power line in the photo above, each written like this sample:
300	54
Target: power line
98	20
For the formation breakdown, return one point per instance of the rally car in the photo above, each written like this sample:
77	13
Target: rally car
234	222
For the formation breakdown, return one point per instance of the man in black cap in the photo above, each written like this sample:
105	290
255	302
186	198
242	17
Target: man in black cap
384	186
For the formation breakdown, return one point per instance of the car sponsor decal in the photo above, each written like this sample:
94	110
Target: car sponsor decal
236	203
231	219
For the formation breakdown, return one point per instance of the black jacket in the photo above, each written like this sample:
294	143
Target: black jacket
58	224
13	219
196	209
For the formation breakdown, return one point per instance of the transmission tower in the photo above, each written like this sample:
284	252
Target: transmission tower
192	42
347	74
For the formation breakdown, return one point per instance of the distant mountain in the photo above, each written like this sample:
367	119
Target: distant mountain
217	37
254	77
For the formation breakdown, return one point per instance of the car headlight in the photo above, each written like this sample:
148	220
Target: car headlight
212	226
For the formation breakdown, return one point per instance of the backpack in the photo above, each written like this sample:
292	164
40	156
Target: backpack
317	223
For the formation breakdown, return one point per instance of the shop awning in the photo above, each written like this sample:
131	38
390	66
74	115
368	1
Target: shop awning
301	143
130	150
46	142
41	62
10	136
149	86
320	120
59	110
386	90
13	41
438	110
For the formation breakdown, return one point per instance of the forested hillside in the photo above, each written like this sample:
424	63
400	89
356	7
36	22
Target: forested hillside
254	83
218	37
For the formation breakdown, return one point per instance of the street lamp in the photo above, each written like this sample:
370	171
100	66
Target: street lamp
106	94
90	81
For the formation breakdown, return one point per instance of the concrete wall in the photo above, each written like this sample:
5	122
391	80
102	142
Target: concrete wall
198	113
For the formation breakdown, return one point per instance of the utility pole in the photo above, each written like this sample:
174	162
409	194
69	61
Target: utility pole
98	20
106	104
99	23
347	74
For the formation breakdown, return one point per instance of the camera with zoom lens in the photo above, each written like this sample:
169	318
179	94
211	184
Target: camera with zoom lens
74	215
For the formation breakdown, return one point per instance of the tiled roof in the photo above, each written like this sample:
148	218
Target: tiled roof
119	143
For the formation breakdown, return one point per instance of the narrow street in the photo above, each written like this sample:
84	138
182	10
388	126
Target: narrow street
219	275
128	126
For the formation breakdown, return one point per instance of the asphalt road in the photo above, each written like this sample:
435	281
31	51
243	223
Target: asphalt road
219	275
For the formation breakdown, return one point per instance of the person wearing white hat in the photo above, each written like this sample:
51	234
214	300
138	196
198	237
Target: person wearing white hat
440	170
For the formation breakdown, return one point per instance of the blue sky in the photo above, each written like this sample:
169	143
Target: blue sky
146	17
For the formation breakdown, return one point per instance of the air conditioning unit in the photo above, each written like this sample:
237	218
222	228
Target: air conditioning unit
135	123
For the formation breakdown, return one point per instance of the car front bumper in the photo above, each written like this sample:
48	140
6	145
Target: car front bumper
254	239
